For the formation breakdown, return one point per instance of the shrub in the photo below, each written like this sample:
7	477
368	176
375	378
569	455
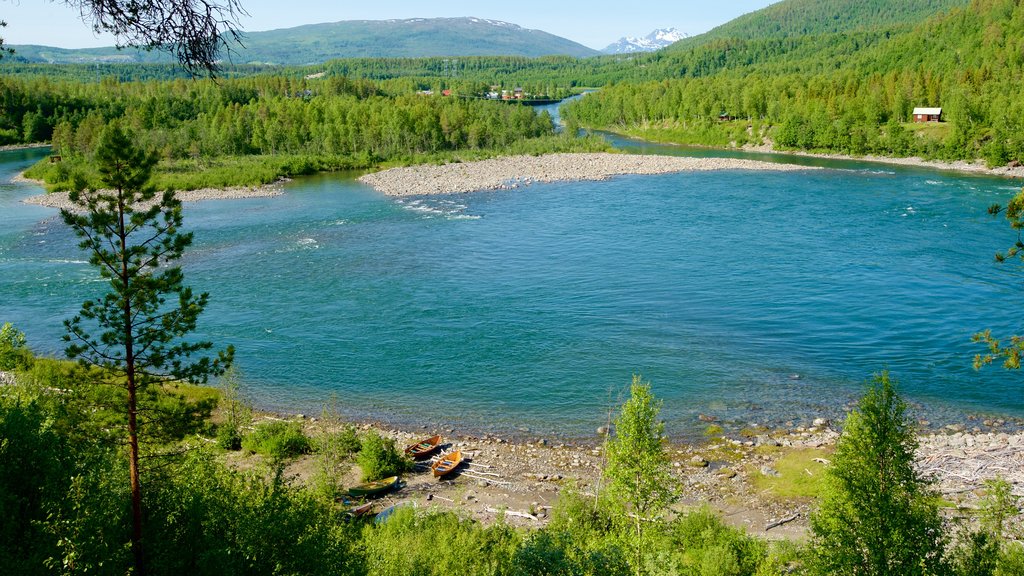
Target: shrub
705	545
437	543
14	355
234	413
380	458
343	442
277	440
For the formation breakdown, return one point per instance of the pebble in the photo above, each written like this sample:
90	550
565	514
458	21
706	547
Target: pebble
62	201
511	171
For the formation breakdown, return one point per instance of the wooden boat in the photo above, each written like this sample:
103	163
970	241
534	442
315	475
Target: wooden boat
447	463
360	511
423	448
375	487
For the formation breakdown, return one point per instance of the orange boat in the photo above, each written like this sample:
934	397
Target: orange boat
423	448
447	463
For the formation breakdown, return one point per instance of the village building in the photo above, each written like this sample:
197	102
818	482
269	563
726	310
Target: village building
927	114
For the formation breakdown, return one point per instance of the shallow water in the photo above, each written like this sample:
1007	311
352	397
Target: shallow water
754	297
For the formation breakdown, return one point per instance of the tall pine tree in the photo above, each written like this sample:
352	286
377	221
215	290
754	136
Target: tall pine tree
135	333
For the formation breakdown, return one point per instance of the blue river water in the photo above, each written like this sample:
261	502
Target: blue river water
753	297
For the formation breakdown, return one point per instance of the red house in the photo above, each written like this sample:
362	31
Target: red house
927	114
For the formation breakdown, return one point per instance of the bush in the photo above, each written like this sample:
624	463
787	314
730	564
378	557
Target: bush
705	545
437	543
14	355
277	440
343	442
380	458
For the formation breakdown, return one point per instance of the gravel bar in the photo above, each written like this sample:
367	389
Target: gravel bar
60	199
514	171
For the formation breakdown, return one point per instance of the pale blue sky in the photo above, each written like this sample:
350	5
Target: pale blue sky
595	23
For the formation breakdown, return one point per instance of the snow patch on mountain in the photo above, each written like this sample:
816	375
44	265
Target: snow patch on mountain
654	41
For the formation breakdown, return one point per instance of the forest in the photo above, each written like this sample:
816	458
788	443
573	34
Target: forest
257	129
847	92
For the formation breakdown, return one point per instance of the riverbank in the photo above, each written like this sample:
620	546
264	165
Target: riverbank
62	201
514	171
977	167
752	480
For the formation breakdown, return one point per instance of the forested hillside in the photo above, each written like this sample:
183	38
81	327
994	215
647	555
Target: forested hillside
793	18
845	92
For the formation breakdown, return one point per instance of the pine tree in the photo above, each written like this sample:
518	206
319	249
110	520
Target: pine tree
140	323
878	515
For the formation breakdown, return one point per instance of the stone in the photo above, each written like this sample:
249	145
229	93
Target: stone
604	430
706	418
769	471
699	462
820	422
726	473
483	483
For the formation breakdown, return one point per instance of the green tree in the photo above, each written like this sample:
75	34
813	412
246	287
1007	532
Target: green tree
638	472
878	515
133	238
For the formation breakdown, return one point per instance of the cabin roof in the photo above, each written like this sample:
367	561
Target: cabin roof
928	111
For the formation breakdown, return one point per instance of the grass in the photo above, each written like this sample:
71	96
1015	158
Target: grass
929	130
800	476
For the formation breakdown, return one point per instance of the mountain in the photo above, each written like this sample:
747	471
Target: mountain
656	40
317	43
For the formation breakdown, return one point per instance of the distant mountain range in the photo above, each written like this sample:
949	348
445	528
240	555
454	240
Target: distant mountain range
317	43
656	40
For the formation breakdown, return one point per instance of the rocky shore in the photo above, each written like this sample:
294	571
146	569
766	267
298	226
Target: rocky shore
60	200
515	171
739	476
976	167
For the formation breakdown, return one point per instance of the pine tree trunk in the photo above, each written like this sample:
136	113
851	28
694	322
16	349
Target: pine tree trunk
132	384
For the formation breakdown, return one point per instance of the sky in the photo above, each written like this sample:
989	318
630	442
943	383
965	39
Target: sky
596	23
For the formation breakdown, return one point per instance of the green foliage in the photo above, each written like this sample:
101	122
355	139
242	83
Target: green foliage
1012	352
32	458
277	440
253	131
380	458
999	508
235	414
334	444
207	519
977	554
639	479
437	543
877	515
14	354
700	543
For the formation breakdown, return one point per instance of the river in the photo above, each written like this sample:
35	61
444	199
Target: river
752	297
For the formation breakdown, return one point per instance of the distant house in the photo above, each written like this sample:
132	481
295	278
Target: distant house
927	114
725	117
